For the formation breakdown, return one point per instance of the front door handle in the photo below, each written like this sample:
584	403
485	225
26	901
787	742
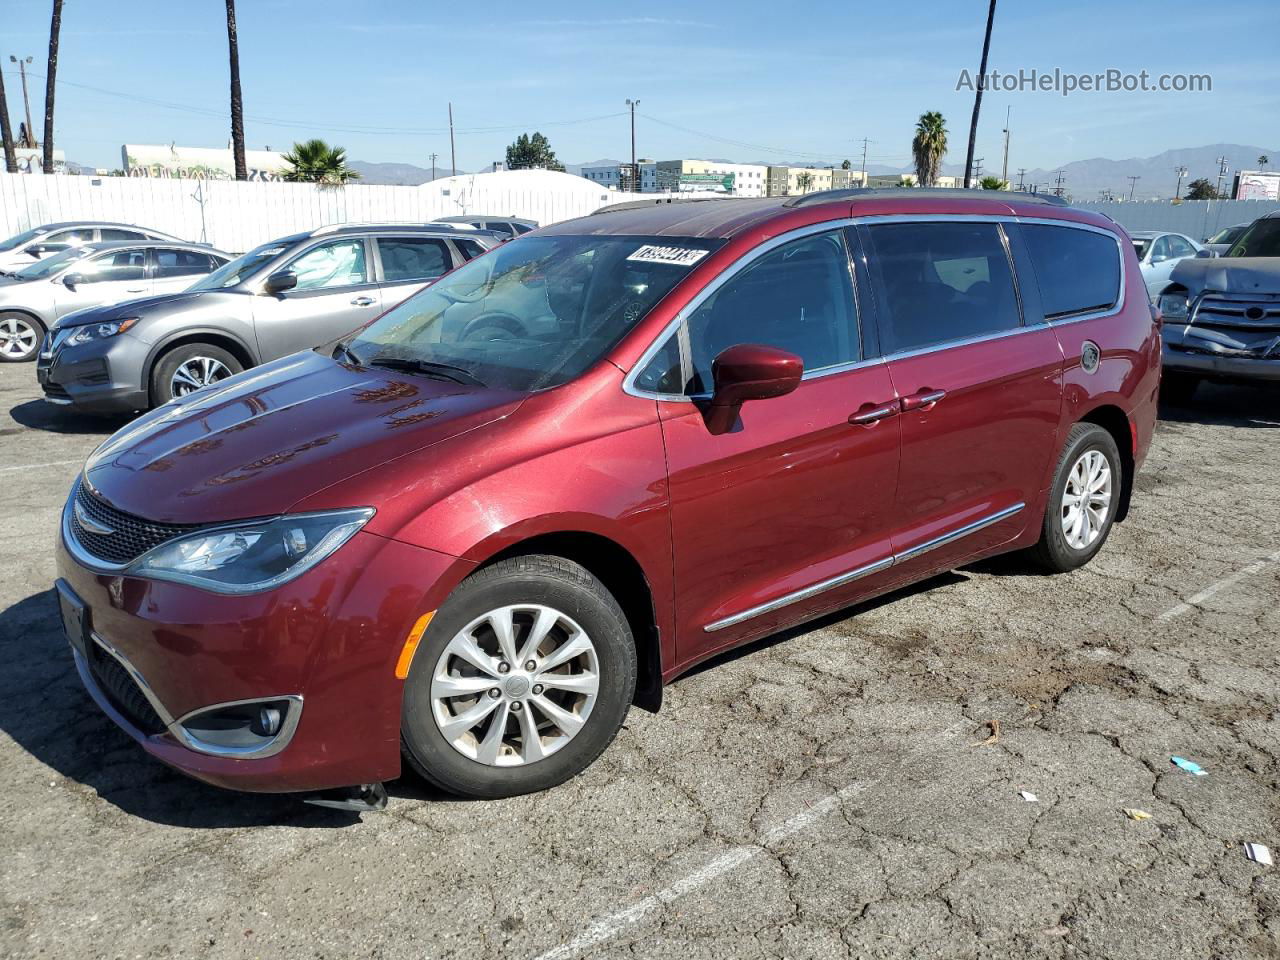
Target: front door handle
362	301
135	289
868	414
923	400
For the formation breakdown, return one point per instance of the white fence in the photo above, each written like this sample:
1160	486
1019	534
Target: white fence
236	216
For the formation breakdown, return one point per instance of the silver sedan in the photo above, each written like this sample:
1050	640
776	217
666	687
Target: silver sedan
92	275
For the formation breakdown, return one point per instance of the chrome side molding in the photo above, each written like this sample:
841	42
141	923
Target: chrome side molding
863	571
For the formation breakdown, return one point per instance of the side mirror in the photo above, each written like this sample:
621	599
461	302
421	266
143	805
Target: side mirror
1158	258
280	282
749	371
1203	254
37	250
72	280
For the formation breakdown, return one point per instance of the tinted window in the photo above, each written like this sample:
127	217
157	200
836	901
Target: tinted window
940	282
1078	270
180	263
413	258
121	265
1261	239
798	298
470	249
339	263
81	235
521	227
499	226
109	233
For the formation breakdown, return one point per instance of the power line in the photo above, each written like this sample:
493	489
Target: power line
743	143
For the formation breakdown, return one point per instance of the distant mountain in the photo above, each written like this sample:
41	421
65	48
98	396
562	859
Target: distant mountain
397	173
576	168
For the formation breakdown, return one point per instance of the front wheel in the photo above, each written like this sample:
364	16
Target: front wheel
189	368
522	679
1082	501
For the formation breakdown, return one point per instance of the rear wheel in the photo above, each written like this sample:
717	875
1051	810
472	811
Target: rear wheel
522	679
1178	388
20	337
188	368
1082	501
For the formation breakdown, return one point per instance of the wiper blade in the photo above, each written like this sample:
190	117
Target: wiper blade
430	368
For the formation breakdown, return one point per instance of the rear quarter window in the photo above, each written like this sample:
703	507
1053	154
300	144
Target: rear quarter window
1078	270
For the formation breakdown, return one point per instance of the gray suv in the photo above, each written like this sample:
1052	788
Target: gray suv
288	295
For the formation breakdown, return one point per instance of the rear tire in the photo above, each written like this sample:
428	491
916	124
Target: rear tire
475	723
188	368
1178	388
20	337
1076	520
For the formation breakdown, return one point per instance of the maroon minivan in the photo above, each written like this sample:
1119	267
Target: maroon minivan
475	532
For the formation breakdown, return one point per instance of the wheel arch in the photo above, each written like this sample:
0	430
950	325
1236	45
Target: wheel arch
620	572
1114	420
218	338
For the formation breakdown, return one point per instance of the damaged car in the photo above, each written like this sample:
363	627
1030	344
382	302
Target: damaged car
1222	315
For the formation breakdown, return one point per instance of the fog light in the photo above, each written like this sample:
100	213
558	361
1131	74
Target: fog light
246	729
268	722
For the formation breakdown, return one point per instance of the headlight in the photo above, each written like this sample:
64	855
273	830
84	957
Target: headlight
248	557
1173	306
100	331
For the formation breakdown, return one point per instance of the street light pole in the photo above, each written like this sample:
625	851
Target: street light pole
1177	190
1004	170
29	142
635	171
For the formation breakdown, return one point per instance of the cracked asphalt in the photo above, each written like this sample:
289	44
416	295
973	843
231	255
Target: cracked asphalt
827	793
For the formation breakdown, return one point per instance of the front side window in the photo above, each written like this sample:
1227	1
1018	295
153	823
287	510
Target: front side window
1160	252
798	298
1261	239
1179	248
338	263
938	282
1078	270
118	265
413	258
533	314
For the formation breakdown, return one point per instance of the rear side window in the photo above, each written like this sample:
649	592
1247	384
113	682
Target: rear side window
1078	270
181	263
798	297
413	258
110	233
521	227
497	226
938	282
469	248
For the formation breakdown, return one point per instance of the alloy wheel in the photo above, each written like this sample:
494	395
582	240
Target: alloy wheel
515	685
18	337
196	373
1086	500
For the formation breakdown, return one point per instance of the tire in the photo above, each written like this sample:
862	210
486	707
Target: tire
190	358
1057	551
1178	388
473	760
20	337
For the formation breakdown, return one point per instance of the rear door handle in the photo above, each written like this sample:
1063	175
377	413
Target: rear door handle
362	301
135	289
868	414
923	400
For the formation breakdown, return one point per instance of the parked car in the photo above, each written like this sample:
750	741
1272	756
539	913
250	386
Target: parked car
1221	241
508	227
284	296
104	272
37	243
1159	253
1222	316
479	554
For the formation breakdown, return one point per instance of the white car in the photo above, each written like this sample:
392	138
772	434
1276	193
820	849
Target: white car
1159	252
27	247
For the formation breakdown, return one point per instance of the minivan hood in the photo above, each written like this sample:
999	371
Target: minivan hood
1228	275
277	434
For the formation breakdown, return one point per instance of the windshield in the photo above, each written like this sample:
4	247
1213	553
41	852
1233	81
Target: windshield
1262	239
17	241
1227	234
535	312
51	265
1141	247
242	267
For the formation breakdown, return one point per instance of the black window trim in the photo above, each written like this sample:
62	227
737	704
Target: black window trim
456	259
1088	313
628	383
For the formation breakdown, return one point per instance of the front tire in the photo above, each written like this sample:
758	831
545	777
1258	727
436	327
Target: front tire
521	681
20	337
188	368
1083	500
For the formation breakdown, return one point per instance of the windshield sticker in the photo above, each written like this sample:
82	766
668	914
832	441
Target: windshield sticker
678	256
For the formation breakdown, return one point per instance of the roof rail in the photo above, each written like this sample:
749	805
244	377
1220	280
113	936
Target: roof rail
918	193
657	201
374	224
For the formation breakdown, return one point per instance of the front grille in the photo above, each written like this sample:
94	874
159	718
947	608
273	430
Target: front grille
130	536
119	687
1246	325
56	391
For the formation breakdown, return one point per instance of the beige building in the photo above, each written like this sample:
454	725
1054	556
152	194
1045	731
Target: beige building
901	179
846	179
793	181
736	179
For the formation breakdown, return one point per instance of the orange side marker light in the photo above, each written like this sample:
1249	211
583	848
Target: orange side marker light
411	644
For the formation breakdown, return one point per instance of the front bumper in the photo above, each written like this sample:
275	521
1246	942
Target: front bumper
100	376
1219	366
330	639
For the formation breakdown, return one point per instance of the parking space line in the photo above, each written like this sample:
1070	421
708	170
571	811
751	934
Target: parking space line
610	926
37	466
1194	601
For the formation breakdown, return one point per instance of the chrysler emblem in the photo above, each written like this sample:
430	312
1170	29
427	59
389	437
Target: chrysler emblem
90	524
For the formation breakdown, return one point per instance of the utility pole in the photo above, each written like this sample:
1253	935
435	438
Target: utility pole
1004	170
29	142
977	97
1057	190
433	165
1222	174
1022	172
635	171
1177	190
6	134
1133	184
865	141
453	152
977	169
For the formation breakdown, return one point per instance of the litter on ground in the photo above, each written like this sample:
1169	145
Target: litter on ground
1258	853
1189	766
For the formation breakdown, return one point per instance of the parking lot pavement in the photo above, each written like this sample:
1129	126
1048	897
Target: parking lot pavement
824	794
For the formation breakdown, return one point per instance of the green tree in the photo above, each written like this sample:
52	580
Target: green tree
992	183
804	181
846	165
908	182
317	162
1263	161
1201	189
929	147
532	152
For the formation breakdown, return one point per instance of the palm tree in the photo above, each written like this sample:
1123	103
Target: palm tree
55	28
237	102
804	181
977	98
317	162
929	146
1263	161
908	181
992	183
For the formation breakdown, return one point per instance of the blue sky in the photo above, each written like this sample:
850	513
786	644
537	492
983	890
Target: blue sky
738	79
